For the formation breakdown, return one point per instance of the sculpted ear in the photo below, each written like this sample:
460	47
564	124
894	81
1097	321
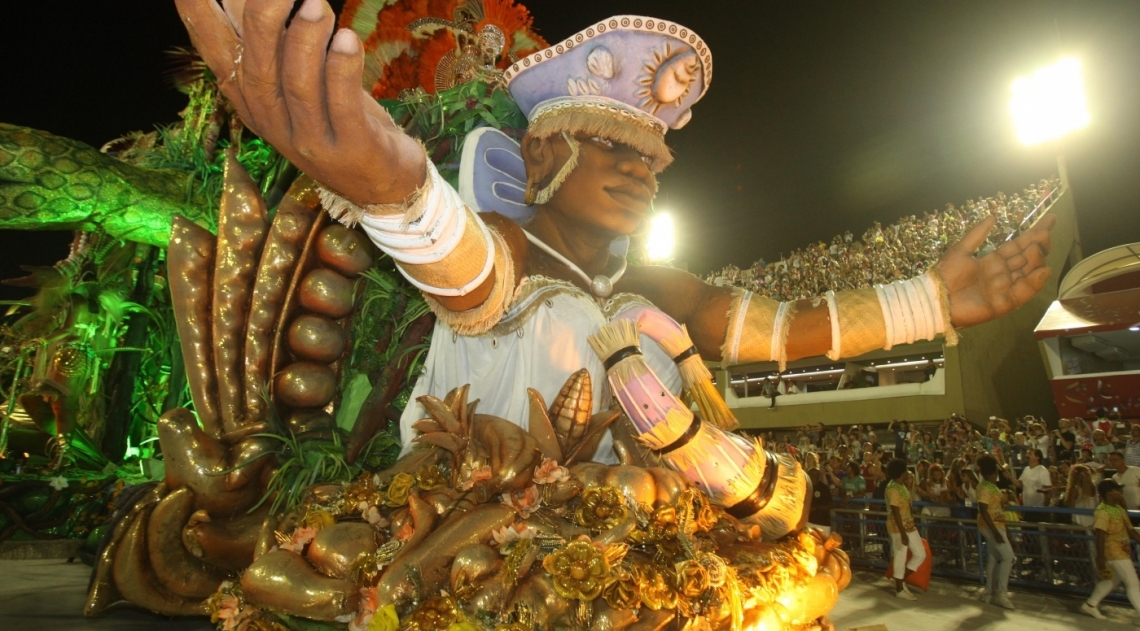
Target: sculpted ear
539	156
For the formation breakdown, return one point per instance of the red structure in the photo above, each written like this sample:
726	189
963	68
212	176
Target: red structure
1090	336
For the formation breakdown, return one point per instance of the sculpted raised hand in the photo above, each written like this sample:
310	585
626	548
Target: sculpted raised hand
304	96
986	288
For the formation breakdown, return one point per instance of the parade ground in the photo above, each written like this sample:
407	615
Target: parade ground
47	595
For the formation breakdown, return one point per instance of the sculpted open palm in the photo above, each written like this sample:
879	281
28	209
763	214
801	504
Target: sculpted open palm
303	95
986	288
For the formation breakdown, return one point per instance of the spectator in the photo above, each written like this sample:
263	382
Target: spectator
900	528
883	253
821	502
770	390
1040	441
1127	477
873	472
954	479
1017	450
1086	458
902	435
854	485
929	445
1065	440
1102	446
1081	493
922	469
934	489
828	447
1083	433
1113	554
968	493
991	523
1034	482
1102	423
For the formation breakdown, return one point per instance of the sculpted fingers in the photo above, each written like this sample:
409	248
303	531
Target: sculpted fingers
303	64
342	79
214	38
1027	287
263	24
976	236
1035	256
234	10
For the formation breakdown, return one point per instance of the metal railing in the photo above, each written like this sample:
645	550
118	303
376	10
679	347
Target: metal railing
1049	557
1038	211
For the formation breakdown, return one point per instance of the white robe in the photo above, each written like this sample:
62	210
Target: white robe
538	344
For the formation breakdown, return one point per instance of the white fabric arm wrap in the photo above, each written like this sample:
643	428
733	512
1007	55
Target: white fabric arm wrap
440	246
912	310
836	350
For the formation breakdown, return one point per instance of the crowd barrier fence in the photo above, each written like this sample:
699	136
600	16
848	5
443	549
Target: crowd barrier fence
1056	558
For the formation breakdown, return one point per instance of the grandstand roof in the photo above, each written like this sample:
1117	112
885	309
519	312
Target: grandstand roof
1110	311
1110	270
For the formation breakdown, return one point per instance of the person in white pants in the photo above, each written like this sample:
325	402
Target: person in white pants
991	523
900	527
1113	553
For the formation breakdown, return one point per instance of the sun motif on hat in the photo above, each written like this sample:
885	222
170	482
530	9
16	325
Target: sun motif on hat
668	77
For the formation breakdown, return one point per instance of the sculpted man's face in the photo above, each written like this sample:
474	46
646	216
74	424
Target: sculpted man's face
610	189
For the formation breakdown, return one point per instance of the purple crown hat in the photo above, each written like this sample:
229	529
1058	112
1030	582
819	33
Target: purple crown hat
628	78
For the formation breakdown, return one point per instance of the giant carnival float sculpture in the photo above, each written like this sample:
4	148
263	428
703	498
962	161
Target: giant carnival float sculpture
447	253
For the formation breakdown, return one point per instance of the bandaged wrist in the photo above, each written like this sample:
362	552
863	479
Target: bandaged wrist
441	247
914	309
757	329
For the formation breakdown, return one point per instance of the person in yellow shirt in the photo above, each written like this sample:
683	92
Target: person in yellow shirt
900	528
1113	552
991	523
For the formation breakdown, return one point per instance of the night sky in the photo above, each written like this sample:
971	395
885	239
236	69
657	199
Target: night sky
822	116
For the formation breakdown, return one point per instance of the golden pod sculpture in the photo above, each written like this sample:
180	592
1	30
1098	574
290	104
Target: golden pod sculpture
570	410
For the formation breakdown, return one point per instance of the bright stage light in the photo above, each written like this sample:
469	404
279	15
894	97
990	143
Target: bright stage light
1049	103
660	244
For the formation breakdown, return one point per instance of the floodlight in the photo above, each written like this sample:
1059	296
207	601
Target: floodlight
1049	103
659	247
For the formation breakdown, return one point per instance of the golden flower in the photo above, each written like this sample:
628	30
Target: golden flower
472	472
602	508
514	626
428	478
692	579
662	525
319	519
525	502
621	593
579	570
398	489
227	606
705	515
655	586
435	614
363	489
368	566
549	472
716	567
296	542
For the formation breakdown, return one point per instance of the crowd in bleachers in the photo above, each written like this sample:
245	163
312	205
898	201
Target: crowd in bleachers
900	250
1041	465
1084	474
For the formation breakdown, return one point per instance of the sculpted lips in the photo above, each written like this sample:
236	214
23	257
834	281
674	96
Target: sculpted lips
631	193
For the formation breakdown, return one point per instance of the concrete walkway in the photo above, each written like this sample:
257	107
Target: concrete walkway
48	595
870	599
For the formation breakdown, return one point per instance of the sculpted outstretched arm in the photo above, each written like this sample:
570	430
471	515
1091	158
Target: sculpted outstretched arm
303	95
962	290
